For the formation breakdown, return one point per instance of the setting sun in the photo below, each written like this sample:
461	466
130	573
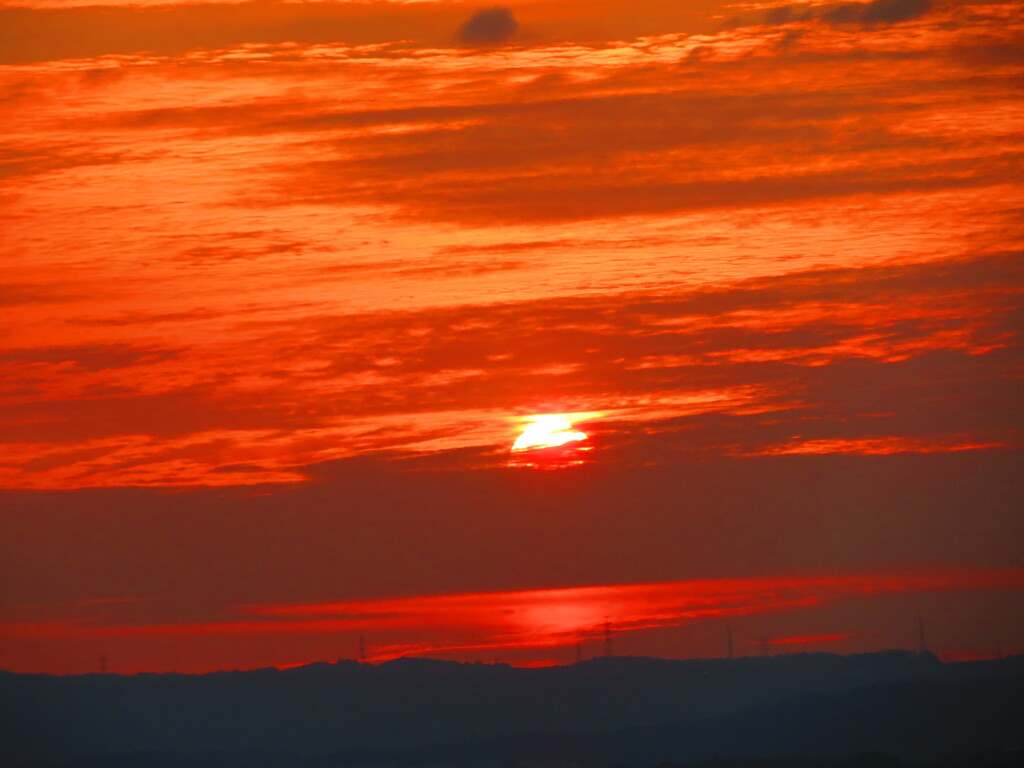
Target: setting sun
550	441
546	432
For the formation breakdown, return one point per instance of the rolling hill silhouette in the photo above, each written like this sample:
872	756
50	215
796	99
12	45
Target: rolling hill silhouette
639	711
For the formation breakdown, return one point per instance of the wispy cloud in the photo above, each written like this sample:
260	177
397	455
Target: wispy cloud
811	362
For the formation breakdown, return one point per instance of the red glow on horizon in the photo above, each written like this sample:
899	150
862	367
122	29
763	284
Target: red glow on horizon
810	639
293	665
536	663
485	623
966	654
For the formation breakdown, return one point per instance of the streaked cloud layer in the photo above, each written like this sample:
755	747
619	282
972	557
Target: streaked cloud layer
512	623
249	242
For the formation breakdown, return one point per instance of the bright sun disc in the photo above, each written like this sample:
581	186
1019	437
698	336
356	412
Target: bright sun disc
547	432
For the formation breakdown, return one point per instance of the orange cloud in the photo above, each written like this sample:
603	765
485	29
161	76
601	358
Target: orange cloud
760	368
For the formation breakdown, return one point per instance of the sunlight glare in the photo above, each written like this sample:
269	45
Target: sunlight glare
547	431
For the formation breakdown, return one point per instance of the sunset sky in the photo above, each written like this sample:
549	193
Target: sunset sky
283	282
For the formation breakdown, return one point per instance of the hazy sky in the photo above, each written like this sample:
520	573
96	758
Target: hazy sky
282	283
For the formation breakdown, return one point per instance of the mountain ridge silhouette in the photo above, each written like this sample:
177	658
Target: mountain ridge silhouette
611	705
